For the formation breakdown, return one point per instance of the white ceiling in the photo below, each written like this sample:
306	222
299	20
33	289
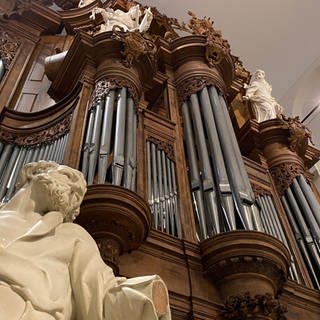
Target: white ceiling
278	36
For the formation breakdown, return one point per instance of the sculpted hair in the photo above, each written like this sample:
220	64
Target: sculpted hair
66	202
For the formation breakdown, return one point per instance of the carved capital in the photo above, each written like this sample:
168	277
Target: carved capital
244	306
163	145
284	173
9	44
103	86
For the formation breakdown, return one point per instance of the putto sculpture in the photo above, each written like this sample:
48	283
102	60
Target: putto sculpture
258	92
51	268
128	21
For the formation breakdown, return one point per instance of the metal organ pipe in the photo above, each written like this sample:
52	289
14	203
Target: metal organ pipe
218	165
194	171
235	177
104	151
213	217
118	157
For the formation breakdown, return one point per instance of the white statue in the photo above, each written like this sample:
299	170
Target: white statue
51	268
259	93
128	21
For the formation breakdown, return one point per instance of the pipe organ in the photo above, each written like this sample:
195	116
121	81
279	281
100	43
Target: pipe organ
180	183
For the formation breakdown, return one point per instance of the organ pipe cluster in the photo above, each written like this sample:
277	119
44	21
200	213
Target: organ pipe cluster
303	212
222	195
109	151
272	225
162	190
13	157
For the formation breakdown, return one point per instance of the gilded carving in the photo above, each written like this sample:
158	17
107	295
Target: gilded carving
163	145
135	46
216	47
299	135
103	86
284	174
47	135
244	306
9	45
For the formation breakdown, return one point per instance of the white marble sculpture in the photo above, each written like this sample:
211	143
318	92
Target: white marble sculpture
259	93
51	268
128	21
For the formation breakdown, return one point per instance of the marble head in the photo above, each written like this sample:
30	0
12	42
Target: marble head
53	187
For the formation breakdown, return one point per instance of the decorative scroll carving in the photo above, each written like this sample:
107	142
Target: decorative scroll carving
50	134
243	306
103	86
259	190
163	145
216	47
193	85
284	174
299	135
135	46
9	45
241	74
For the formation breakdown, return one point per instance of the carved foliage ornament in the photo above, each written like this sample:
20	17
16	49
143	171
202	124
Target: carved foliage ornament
193	85
259	190
216	47
243	306
135	45
103	87
299	135
284	174
163	145
44	136
9	45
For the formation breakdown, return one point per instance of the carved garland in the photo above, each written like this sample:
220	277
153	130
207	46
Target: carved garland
103	87
163	145
44	136
284	174
243	306
9	45
193	85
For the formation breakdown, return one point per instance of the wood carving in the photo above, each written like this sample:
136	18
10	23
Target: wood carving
163	145
47	135
244	306
103	86
9	44
259	190
135	46
284	174
216	47
300	135
193	85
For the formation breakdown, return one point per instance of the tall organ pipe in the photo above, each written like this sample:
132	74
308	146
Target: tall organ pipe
194	171
118	158
207	178
105	142
217	161
233	170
